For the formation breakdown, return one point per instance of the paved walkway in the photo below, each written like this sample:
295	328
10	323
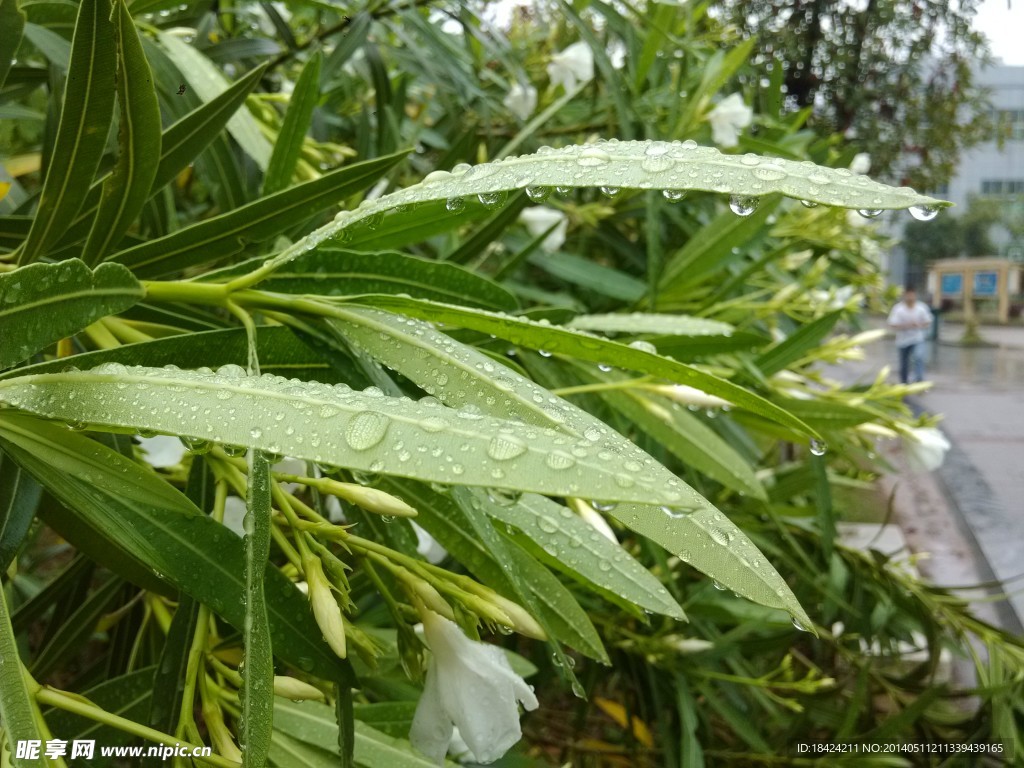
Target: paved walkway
980	393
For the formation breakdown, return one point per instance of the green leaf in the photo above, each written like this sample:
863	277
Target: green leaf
587	274
584	346
257	692
710	247
126	189
331	271
19	497
423	355
825	414
629	164
12	26
55	48
577	545
18	708
129	507
687	438
312	723
126	695
366	431
223	237
42	303
208	83
806	338
82	133
304	98
280	352
639	322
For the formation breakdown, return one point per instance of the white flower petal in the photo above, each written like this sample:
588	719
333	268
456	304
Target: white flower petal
471	686
539	219
573	65
521	100
234	513
162	450
861	163
728	118
925	448
428	547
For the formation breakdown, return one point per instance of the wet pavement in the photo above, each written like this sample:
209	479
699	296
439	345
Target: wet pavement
980	393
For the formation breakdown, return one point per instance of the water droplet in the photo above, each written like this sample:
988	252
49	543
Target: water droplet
603	506
366	430
720	587
235	451
195	445
673	195
455	204
543	353
924	212
559	460
818	447
743	205
870	213
799	626
502	497
674	512
563	191
591	157
610	191
808	204
578	690
505	447
644	346
538	194
492	199
604	367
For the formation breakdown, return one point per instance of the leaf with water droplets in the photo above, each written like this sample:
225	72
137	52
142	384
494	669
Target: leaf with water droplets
43	303
615	164
366	431
584	346
256	696
119	511
640	322
571	541
332	271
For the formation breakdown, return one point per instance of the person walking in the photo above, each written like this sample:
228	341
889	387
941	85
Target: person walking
910	319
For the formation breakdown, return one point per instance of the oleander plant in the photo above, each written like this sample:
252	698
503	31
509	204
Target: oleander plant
407	383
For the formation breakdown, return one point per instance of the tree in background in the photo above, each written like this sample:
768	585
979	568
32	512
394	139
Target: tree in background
898	78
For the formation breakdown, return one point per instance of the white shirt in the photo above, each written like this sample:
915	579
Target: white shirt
903	315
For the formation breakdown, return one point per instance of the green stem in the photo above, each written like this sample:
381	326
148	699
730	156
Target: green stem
61	700
187	291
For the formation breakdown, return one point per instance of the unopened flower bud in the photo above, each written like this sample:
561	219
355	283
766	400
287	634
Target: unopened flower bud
522	622
325	606
296	690
370	499
690	396
221	737
430	597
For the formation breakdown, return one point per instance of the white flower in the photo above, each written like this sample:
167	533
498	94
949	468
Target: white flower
926	448
573	65
162	450
521	100
861	163
471	686
686	395
541	218
427	546
727	119
617	54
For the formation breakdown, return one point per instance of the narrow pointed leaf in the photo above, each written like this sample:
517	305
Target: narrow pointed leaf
222	237
12	26
18	709
572	541
82	132
796	346
304	98
585	346
42	303
359	430
126	189
19	497
135	511
257	693
630	164
330	271
208	82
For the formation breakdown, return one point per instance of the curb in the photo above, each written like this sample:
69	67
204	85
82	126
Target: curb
987	528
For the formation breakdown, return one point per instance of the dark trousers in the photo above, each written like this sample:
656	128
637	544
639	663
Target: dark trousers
912	354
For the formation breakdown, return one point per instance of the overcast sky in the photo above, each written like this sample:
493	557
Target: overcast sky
1003	25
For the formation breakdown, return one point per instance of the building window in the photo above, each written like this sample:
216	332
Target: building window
1001	187
1011	123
